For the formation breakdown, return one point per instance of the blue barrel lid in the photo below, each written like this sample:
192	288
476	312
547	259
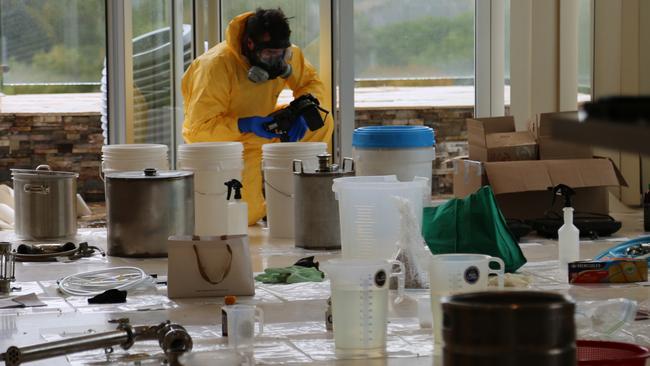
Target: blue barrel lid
393	137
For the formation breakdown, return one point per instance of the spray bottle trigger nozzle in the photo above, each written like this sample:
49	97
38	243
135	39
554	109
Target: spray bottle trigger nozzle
564	191
237	186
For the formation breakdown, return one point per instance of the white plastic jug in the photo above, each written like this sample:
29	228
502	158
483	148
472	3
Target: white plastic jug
360	304
370	221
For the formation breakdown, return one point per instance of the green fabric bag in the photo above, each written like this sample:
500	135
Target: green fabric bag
472	225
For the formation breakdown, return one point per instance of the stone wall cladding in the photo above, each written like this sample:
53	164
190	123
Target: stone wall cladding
65	142
74	142
450	131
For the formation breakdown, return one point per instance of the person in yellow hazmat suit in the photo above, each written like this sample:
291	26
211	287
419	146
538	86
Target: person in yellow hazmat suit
229	91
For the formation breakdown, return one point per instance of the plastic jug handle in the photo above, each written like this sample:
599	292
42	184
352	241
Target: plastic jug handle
400	280
499	272
259	316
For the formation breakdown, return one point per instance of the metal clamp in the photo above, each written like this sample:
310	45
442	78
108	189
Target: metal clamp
351	161
302	168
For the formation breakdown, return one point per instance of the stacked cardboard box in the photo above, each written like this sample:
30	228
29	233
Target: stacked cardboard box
521	186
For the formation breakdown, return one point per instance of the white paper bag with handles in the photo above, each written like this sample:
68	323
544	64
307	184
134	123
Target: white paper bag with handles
207	266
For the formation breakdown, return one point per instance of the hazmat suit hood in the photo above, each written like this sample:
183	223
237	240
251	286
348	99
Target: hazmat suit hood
234	35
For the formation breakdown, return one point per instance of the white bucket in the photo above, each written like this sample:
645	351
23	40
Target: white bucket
404	151
370	219
277	163
129	157
213	164
406	164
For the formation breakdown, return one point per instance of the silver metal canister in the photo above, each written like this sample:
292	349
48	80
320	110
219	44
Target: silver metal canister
144	208
316	211
45	201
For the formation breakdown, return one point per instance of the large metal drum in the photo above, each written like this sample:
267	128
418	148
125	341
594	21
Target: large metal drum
144	208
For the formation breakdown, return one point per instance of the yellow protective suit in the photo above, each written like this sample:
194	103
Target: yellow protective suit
217	92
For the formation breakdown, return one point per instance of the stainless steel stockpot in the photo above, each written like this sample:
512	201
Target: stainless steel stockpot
45	203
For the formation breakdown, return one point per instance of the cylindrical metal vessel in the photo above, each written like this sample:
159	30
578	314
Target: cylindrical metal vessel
316	211
45	201
510	328
144	208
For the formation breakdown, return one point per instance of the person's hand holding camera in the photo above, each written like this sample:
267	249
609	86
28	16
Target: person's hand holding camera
257	125
298	129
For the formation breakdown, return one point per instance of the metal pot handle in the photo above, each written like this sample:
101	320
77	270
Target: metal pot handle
351	161
36	188
44	167
302	170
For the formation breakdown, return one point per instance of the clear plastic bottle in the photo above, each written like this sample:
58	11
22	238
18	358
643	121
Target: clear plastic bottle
237	210
568	241
568	235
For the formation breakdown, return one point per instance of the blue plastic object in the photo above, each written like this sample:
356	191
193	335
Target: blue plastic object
620	251
393	137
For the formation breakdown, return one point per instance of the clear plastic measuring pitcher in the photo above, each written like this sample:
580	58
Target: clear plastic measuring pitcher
455	273
360	304
241	326
370	220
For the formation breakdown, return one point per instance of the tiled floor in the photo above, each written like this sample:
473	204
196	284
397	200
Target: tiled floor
294	314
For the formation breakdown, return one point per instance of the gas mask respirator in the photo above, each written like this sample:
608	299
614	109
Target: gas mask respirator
267	64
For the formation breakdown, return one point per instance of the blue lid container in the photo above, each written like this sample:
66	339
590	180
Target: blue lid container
393	137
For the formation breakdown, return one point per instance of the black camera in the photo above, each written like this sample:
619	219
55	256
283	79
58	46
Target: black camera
306	106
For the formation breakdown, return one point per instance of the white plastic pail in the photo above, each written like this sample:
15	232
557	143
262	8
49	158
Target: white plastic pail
129	157
277	162
405	151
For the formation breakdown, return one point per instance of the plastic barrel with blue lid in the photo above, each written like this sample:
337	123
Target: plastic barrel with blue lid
405	151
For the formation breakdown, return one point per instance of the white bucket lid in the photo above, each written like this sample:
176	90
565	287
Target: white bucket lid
291	149
134	148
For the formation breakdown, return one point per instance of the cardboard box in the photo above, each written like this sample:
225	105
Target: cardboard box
622	270
495	139
550	148
521	187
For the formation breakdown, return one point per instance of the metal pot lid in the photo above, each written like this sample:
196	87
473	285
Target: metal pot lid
150	173
42	171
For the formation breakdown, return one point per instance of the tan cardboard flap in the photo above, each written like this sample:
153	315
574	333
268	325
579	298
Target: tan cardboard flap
538	175
582	172
517	176
544	128
477	129
507	139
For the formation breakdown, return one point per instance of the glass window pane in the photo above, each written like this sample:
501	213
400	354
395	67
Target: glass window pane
152	72
585	53
52	46
421	50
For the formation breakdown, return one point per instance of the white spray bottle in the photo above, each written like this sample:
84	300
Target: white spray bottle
568	235
237	210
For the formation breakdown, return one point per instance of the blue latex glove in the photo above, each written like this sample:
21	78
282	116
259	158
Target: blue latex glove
297	130
256	126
